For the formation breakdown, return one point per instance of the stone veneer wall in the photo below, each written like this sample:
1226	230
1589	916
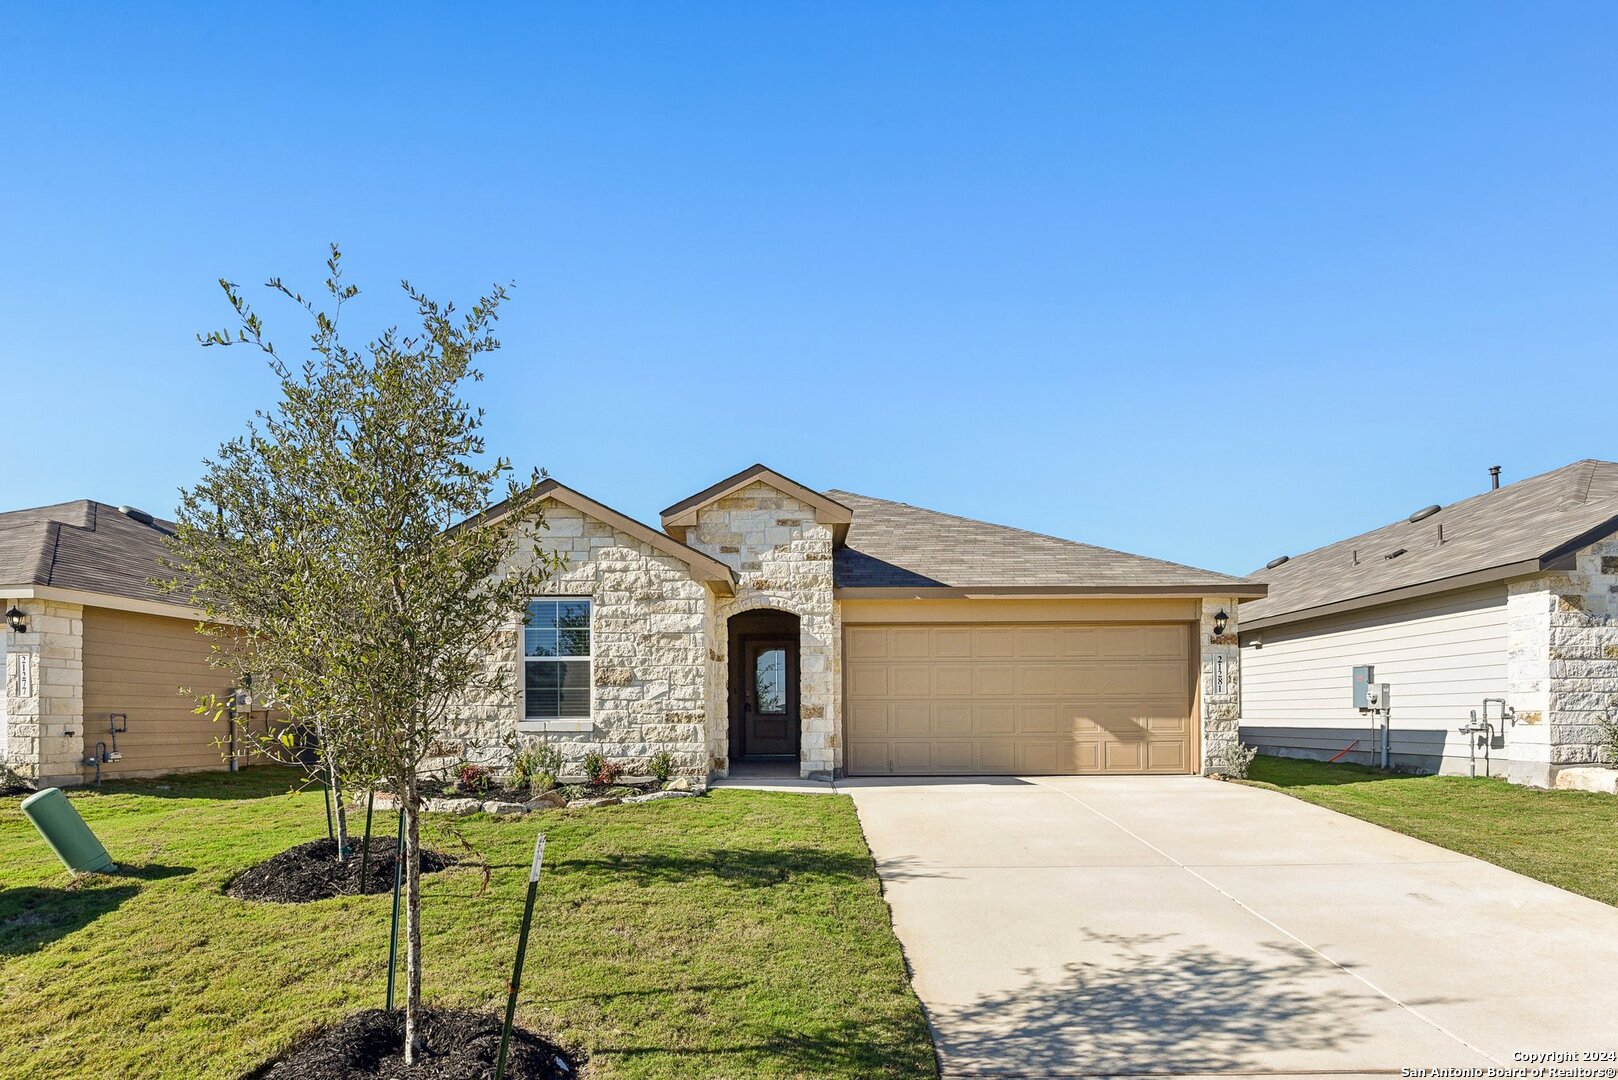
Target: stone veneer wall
45	704
783	560
1562	664
1220	691
650	627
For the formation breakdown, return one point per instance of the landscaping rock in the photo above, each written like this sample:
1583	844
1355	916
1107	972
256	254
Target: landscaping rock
545	801
452	806
460	1043
1587	778
498	807
680	783
653	796
586	804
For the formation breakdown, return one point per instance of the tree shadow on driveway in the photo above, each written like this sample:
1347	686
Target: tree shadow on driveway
1155	1008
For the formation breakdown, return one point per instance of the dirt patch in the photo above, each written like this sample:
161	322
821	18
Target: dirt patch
461	1045
311	872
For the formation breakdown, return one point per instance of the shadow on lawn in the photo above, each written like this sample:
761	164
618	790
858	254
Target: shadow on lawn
34	916
1189	1009
253	782
746	867
844	1048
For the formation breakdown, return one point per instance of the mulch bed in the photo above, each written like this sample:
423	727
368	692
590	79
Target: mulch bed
461	1045
311	872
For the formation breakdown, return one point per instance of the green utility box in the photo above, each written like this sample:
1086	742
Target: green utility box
65	831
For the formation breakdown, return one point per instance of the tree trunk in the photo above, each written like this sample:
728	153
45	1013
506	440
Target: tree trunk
412	898
336	785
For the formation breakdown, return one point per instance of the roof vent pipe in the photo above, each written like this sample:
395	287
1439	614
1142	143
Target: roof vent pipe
1494	477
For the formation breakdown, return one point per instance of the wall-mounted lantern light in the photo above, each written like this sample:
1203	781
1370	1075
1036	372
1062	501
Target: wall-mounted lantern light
1221	620
17	621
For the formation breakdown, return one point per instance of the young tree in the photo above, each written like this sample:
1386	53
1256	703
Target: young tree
343	540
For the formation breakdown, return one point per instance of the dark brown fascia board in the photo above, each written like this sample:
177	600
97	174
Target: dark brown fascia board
1240	590
1408	592
1561	557
705	568
683	514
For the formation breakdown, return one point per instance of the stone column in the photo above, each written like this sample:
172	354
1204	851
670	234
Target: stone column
1219	692
45	693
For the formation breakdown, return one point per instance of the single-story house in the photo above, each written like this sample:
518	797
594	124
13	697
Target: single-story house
94	655
828	632
1504	604
845	634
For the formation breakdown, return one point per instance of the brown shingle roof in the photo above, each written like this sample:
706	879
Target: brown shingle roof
83	545
1518	529
894	545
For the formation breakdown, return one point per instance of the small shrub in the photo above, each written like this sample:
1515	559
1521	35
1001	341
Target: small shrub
662	765
476	778
608	774
570	792
1234	759
535	768
594	762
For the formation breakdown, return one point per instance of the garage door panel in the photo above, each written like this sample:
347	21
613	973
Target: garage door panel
910	719
1039	720
866	680
997	757
952	718
1019	699
994	718
1167	757
994	642
993	680
868	717
1036	678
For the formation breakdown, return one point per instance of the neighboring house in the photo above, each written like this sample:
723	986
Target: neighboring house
102	649
851	635
1511	594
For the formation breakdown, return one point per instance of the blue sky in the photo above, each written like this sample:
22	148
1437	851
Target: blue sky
1206	282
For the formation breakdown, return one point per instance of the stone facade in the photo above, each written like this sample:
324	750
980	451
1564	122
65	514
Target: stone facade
782	558
1562	664
44	686
651	623
1219	691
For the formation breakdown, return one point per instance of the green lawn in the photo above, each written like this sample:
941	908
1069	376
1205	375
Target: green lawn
739	935
1566	838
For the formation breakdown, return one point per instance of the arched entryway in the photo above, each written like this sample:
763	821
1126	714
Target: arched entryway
764	715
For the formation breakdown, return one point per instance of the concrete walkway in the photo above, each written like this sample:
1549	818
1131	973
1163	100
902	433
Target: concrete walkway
1176	926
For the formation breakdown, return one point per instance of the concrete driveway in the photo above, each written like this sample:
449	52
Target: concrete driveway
1178	926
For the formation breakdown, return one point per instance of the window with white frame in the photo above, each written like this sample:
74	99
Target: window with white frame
556	659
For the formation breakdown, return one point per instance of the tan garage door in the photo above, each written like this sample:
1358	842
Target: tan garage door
936	700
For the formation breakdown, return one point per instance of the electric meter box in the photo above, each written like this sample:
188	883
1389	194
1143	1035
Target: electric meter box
1363	676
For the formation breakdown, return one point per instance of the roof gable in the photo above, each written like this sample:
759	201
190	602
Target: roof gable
683	514
897	549
1522	528
704	568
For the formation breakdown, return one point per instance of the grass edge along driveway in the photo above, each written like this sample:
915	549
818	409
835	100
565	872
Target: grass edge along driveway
1563	838
738	935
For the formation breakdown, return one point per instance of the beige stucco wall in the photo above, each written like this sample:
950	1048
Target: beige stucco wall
782	558
138	665
650	628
